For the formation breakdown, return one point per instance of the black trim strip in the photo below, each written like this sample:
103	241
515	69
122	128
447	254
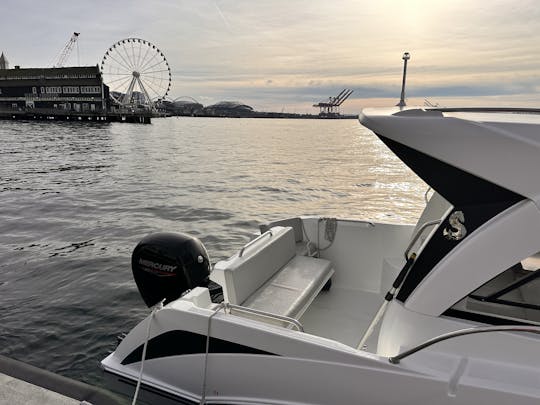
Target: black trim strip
153	390
156	391
181	342
481	318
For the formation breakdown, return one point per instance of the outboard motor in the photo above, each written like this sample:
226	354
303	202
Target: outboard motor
165	265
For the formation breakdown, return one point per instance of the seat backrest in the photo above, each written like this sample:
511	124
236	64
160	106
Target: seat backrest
241	276
295	223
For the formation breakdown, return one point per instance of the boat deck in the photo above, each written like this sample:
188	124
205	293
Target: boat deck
343	315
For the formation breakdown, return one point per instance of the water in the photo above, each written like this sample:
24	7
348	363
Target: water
76	199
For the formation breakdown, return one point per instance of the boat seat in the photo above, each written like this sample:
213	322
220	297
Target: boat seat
269	276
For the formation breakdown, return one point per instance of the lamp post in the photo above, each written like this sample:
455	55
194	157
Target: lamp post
406	57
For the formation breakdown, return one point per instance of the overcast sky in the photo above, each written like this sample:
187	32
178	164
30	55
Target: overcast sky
288	54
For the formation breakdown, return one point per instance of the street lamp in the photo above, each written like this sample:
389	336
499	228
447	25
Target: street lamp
406	57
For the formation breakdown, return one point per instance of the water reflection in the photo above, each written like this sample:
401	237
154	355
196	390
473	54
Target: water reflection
76	198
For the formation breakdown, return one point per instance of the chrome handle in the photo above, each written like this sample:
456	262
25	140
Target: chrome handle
426	199
283	318
357	221
417	235
267	233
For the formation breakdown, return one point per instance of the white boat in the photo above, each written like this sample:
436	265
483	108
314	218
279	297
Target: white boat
298	318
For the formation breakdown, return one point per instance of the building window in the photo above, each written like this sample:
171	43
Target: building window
34	90
515	293
70	89
90	89
42	90
53	90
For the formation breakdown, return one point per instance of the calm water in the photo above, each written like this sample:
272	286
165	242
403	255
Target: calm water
76	199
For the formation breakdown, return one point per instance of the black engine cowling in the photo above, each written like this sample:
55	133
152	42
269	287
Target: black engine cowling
165	265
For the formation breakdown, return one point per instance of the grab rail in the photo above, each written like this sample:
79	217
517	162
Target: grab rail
269	232
463	332
283	318
418	234
356	221
426	199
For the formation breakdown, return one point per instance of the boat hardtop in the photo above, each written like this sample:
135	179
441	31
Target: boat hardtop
498	145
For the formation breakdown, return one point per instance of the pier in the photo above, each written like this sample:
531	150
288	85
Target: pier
23	384
53	114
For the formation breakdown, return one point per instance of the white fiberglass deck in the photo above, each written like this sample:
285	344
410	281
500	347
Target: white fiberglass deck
342	315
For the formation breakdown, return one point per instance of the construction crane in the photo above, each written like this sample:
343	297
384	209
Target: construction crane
66	51
331	107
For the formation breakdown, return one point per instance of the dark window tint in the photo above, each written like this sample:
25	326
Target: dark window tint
515	293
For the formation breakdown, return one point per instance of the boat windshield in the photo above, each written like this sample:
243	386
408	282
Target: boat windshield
514	293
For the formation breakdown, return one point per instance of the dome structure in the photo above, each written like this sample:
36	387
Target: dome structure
185	106
229	109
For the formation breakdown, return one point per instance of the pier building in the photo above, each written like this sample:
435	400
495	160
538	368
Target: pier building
76	89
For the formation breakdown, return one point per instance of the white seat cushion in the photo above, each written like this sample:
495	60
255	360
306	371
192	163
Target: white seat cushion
290	291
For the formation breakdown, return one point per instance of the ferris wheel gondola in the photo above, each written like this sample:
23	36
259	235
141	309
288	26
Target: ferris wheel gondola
136	72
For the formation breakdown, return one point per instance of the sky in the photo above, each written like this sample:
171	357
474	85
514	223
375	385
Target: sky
286	55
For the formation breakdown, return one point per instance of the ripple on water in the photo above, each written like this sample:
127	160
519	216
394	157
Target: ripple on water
76	199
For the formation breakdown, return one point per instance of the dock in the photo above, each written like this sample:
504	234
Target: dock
51	114
23	384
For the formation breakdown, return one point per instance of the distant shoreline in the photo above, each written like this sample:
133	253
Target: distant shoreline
270	115
144	117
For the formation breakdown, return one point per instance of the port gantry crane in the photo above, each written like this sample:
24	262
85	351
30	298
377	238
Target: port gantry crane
66	51
331	108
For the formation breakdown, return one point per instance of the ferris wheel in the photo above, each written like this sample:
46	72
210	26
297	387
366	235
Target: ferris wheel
136	72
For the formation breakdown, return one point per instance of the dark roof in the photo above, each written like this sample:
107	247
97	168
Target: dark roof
50	72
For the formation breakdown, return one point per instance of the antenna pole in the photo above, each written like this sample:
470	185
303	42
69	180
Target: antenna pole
406	57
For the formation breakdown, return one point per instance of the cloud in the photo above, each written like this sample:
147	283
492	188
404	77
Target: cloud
303	51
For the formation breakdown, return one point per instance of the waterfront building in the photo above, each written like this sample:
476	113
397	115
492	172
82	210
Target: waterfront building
78	89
